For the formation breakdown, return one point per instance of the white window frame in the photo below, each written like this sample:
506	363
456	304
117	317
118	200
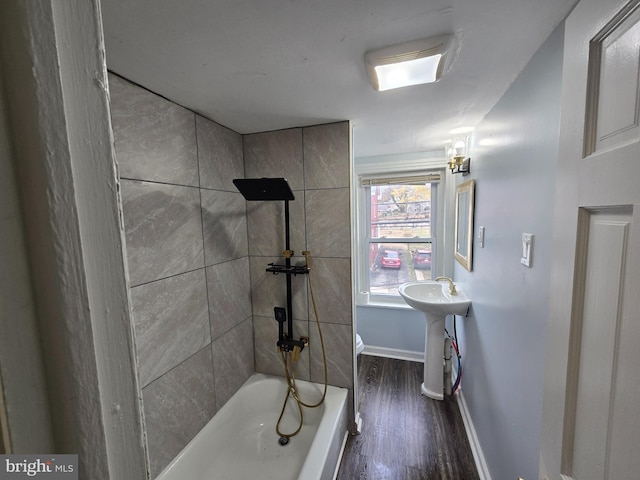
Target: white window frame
390	167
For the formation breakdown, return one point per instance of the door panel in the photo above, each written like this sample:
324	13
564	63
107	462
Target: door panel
591	423
612	115
624	460
596	357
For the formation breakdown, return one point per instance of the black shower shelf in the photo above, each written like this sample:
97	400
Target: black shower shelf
291	269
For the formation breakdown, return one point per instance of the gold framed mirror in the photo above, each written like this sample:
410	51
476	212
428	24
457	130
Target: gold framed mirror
464	224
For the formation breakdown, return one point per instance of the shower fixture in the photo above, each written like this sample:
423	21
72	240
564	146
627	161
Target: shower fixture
264	189
277	189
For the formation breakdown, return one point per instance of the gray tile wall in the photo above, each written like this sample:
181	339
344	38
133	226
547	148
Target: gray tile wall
315	160
202	303
187	253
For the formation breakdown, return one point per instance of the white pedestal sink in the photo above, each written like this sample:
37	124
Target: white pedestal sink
436	302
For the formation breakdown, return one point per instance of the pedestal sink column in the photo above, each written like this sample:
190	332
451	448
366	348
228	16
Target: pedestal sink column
436	302
433	385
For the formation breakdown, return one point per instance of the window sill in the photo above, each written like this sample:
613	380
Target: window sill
364	300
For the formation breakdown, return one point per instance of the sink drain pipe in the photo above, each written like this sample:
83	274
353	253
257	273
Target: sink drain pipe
449	343
448	387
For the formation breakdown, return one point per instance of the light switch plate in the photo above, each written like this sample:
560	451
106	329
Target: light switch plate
481	237
527	249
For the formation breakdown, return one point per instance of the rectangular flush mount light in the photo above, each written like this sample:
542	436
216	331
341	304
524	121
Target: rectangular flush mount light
411	63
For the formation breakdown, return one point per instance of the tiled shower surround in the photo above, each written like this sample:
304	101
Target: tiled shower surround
202	302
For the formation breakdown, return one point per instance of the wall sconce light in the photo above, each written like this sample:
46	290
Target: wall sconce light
458	161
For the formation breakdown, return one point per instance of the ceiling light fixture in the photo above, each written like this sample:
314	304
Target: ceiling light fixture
461	130
405	64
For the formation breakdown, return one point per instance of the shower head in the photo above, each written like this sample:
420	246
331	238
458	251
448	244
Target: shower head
255	189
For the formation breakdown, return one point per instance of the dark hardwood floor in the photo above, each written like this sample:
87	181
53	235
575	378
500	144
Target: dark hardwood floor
405	436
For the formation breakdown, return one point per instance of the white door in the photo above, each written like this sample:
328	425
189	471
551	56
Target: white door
591	417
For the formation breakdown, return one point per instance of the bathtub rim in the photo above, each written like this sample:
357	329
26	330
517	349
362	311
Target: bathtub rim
330	452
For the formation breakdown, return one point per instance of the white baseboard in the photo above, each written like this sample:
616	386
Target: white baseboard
358	422
476	450
393	353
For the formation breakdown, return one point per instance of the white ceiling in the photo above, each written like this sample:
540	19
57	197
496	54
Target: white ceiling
259	65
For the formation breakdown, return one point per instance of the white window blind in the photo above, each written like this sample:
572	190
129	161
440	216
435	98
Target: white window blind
422	179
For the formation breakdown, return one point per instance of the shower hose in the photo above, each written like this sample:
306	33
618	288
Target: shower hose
289	363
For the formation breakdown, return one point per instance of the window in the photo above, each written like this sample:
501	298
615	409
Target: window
398	225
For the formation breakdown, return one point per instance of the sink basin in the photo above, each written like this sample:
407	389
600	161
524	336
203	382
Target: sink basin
434	298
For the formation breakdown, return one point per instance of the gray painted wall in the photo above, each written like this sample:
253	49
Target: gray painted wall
21	363
392	328
61	138
503	340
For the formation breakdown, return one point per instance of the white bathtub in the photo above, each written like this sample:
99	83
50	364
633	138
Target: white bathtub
240	441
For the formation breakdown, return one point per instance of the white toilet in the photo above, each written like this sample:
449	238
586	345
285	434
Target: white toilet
359	345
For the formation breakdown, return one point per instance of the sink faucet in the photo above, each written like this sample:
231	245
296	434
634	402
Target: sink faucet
452	286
